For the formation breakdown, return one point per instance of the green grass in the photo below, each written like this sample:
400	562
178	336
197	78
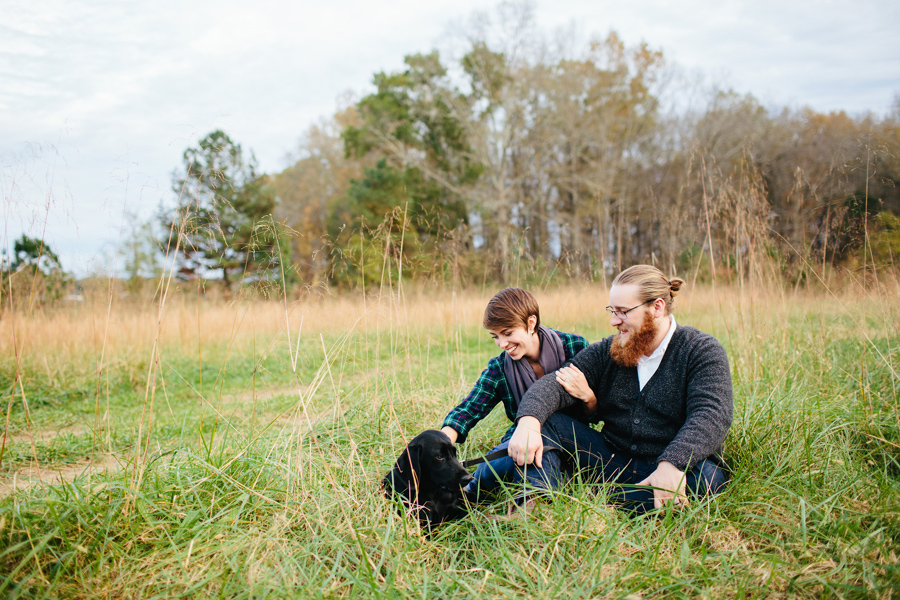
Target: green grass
235	496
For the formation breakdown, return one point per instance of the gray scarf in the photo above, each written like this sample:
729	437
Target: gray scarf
520	375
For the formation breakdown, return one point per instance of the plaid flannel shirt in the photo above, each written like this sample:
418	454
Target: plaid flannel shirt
492	388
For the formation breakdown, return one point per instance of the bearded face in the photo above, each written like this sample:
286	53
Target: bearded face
627	353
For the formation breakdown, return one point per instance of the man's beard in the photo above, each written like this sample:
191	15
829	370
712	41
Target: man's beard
627	354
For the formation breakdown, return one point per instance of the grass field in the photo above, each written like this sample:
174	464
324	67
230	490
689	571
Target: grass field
235	451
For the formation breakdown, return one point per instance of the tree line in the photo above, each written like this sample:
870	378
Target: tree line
511	159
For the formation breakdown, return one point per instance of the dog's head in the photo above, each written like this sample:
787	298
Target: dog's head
427	464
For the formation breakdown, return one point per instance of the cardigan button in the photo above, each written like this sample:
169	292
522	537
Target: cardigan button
636	421
633	447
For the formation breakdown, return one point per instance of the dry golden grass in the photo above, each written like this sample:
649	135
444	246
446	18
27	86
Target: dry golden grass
184	322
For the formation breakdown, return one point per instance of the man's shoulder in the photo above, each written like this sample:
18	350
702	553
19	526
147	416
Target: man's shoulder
691	334
692	340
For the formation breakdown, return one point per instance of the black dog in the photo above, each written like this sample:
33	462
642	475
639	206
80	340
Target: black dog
429	479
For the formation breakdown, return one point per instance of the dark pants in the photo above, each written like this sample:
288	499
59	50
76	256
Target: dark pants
490	476
578	448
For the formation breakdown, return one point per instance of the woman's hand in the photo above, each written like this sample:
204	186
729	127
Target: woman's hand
575	383
526	445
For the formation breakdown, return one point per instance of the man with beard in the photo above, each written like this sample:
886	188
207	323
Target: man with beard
662	391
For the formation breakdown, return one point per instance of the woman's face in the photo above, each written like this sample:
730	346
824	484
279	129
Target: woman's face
518	341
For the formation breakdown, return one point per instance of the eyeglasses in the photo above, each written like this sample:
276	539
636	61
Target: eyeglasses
621	314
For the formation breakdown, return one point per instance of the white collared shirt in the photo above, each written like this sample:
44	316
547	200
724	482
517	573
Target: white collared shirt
647	365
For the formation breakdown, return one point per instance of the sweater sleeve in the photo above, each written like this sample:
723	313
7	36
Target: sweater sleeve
546	396
709	407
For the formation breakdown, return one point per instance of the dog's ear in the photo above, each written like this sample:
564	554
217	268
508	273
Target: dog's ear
406	468
408	465
414	452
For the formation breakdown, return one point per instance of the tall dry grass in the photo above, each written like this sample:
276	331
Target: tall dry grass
81	333
126	328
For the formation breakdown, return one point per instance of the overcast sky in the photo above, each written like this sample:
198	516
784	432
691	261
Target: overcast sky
98	99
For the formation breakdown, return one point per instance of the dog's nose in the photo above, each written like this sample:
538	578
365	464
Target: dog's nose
466	479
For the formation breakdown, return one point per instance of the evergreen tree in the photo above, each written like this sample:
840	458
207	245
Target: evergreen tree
34	253
220	225
33	270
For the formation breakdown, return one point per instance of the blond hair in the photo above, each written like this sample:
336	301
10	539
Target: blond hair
511	307
651	284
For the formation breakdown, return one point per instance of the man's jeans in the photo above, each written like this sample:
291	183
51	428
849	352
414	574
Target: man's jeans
489	476
570	443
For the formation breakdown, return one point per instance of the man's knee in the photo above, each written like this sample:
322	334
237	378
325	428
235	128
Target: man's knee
709	478
547	476
564	428
559	418
557	427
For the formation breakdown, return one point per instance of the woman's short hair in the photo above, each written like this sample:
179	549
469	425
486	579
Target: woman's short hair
511	307
651	284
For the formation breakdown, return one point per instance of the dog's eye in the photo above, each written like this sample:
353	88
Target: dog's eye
440	457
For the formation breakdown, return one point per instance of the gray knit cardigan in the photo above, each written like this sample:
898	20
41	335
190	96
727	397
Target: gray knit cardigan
682	415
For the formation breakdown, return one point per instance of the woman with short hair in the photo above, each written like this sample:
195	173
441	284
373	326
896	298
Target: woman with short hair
530	351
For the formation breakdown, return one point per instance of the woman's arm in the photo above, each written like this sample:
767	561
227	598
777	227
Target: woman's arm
480	401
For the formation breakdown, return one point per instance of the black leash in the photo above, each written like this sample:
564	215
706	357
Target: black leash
489	457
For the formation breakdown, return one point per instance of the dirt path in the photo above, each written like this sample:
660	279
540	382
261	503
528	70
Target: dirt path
261	393
29	477
45	435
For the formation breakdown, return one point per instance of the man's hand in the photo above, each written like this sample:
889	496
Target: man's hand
450	433
669	483
526	445
575	383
